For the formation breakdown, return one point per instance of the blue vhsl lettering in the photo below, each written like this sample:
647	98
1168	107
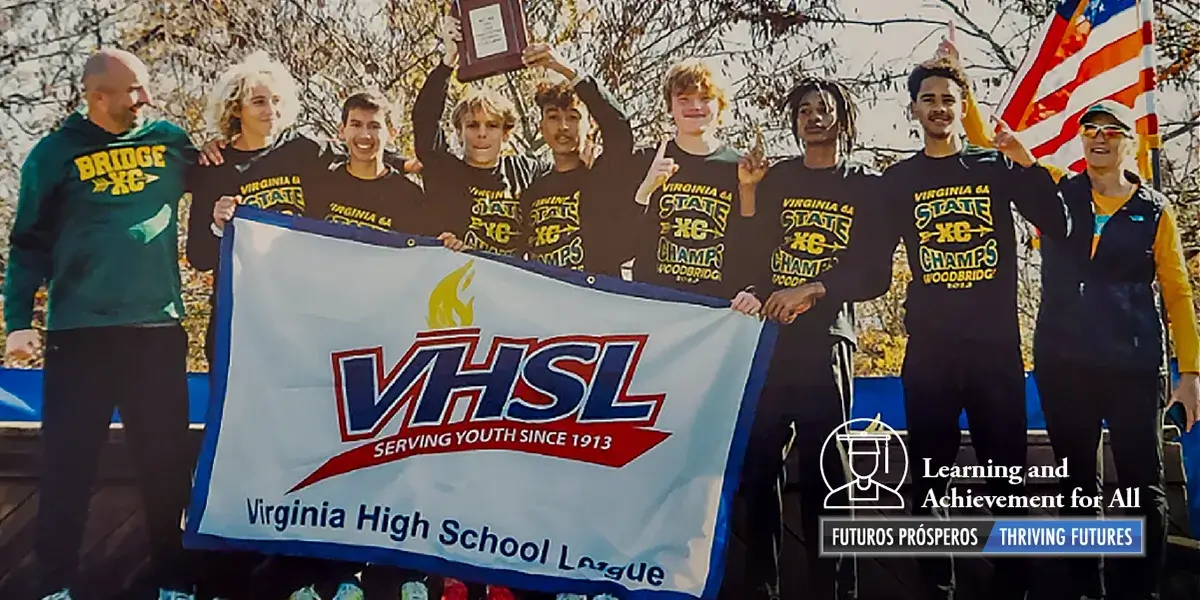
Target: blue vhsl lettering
635	572
398	527
579	378
487	541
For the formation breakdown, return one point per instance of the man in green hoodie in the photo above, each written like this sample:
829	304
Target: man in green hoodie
97	222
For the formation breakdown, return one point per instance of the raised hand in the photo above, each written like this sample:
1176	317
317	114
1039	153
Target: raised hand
548	57
451	34
660	171
753	166
948	47
1007	143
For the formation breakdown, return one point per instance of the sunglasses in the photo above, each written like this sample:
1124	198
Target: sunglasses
1112	132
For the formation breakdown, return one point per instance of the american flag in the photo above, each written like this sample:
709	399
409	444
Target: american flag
1090	50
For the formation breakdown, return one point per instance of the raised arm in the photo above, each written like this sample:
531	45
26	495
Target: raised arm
1032	186
428	139
610	117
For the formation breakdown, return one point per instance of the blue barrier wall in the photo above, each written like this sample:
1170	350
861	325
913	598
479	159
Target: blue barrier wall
21	400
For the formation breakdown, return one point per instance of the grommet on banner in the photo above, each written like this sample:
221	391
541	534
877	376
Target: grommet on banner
412	242
591	280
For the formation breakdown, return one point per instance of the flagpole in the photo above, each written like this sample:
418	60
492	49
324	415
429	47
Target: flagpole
1153	137
1147	8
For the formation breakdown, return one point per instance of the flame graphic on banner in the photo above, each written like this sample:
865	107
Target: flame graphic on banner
447	310
876	425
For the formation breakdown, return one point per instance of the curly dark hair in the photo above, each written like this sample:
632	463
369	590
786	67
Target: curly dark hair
556	95
843	100
938	67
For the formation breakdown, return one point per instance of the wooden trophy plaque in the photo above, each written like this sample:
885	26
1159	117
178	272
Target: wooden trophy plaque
493	37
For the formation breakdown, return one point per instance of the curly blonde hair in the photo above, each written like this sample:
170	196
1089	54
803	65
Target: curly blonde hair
233	88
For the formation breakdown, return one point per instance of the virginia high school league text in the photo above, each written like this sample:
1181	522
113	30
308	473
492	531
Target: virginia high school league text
402	526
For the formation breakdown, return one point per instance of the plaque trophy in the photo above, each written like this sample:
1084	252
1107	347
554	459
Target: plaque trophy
493	37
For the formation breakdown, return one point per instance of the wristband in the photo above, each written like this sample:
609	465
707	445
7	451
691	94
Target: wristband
217	231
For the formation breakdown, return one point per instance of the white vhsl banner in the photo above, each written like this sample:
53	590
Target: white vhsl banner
380	399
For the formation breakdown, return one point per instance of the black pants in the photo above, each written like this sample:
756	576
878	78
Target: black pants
988	382
224	574
1075	398
142	372
805	399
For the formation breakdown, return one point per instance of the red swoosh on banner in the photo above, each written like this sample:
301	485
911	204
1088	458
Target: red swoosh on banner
610	445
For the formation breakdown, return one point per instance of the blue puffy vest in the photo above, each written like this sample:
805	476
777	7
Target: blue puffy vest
1103	311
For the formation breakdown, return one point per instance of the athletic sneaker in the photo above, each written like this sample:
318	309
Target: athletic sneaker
172	595
571	597
349	591
63	595
414	590
453	589
496	592
308	593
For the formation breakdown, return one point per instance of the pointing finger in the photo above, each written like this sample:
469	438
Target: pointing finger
662	150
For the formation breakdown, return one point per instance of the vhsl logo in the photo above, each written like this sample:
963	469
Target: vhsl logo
564	396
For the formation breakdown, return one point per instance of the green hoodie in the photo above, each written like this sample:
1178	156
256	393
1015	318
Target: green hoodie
97	221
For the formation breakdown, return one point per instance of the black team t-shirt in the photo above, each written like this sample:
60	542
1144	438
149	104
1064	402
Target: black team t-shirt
806	218
282	177
554	228
692	236
576	219
277	178
955	216
389	202
480	206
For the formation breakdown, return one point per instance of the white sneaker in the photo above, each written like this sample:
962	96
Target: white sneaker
63	595
571	597
308	593
172	595
414	590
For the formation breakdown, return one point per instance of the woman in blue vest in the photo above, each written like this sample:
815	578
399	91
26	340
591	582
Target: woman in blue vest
1100	347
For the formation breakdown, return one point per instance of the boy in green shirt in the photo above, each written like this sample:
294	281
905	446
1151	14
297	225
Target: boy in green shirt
97	222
